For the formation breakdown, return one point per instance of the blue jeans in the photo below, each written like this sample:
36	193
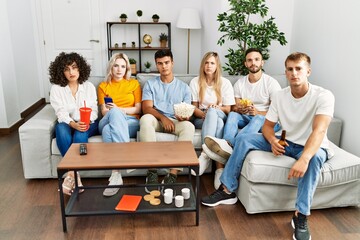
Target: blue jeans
66	135
256	141
212	125
116	126
246	123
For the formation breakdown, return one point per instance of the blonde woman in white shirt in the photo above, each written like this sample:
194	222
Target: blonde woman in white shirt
213	96
69	73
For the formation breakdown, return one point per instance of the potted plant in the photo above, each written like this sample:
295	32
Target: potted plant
147	67
133	44
123	17
251	33
139	13
116	45
155	18
163	40
132	62
123	44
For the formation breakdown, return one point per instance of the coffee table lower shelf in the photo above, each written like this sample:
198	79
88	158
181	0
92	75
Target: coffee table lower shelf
92	202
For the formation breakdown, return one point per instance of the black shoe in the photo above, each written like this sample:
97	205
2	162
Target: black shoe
151	180
219	197
301	230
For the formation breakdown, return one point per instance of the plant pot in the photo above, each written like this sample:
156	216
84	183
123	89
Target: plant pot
139	19
163	43
155	20
123	19
147	70
133	69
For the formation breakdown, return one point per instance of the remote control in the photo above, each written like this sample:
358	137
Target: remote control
83	149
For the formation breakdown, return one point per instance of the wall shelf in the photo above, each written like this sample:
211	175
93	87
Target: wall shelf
141	30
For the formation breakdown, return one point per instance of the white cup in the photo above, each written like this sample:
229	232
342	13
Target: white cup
168	197
169	190
179	201
185	192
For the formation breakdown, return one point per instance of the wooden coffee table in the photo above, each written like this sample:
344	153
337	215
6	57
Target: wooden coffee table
133	155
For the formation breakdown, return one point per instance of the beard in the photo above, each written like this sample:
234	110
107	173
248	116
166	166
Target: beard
254	69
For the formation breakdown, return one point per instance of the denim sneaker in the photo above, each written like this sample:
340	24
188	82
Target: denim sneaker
300	226
151	179
219	197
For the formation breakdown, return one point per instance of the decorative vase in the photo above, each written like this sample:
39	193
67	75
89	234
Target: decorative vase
133	69
163	43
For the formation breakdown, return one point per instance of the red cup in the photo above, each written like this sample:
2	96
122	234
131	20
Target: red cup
85	113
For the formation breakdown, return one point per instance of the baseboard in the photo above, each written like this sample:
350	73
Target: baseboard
24	116
7	131
30	110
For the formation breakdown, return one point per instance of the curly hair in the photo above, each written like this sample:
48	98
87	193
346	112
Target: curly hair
57	68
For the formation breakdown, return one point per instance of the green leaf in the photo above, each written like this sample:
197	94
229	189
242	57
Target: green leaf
236	26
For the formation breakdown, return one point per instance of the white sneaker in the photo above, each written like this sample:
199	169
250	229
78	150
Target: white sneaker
219	146
204	162
115	179
217	176
213	155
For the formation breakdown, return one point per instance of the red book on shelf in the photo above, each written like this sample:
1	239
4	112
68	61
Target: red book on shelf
128	203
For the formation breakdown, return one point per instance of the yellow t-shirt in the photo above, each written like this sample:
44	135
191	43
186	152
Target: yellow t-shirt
125	93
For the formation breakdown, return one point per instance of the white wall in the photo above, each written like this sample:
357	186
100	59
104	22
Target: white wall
18	62
8	88
329	32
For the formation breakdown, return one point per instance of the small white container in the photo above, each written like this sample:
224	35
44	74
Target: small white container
179	201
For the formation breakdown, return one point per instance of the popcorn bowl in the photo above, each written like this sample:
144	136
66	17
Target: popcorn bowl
184	110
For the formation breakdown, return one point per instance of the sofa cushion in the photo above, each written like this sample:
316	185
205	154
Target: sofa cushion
264	167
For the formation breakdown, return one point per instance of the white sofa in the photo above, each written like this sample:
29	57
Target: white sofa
263	182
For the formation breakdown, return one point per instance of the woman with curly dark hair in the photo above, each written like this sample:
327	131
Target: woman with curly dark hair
70	91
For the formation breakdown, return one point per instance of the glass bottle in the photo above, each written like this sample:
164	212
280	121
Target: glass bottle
282	139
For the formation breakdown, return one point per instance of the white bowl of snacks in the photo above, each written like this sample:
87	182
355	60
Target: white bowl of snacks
184	110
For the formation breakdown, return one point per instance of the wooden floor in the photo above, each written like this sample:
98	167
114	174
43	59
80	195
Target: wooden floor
29	209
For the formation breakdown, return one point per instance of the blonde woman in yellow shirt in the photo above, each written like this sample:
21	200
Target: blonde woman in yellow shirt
120	120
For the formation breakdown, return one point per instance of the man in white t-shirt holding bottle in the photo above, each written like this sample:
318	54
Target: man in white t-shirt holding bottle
304	110
257	87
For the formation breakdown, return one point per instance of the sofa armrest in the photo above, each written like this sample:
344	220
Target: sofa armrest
334	131
35	142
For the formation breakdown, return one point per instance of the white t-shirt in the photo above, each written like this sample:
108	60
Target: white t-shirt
227	93
260	92
296	115
67	107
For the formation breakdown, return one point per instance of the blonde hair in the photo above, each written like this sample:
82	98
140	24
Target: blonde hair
217	78
298	56
111	64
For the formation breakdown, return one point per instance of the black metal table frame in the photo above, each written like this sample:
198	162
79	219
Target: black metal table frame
75	194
